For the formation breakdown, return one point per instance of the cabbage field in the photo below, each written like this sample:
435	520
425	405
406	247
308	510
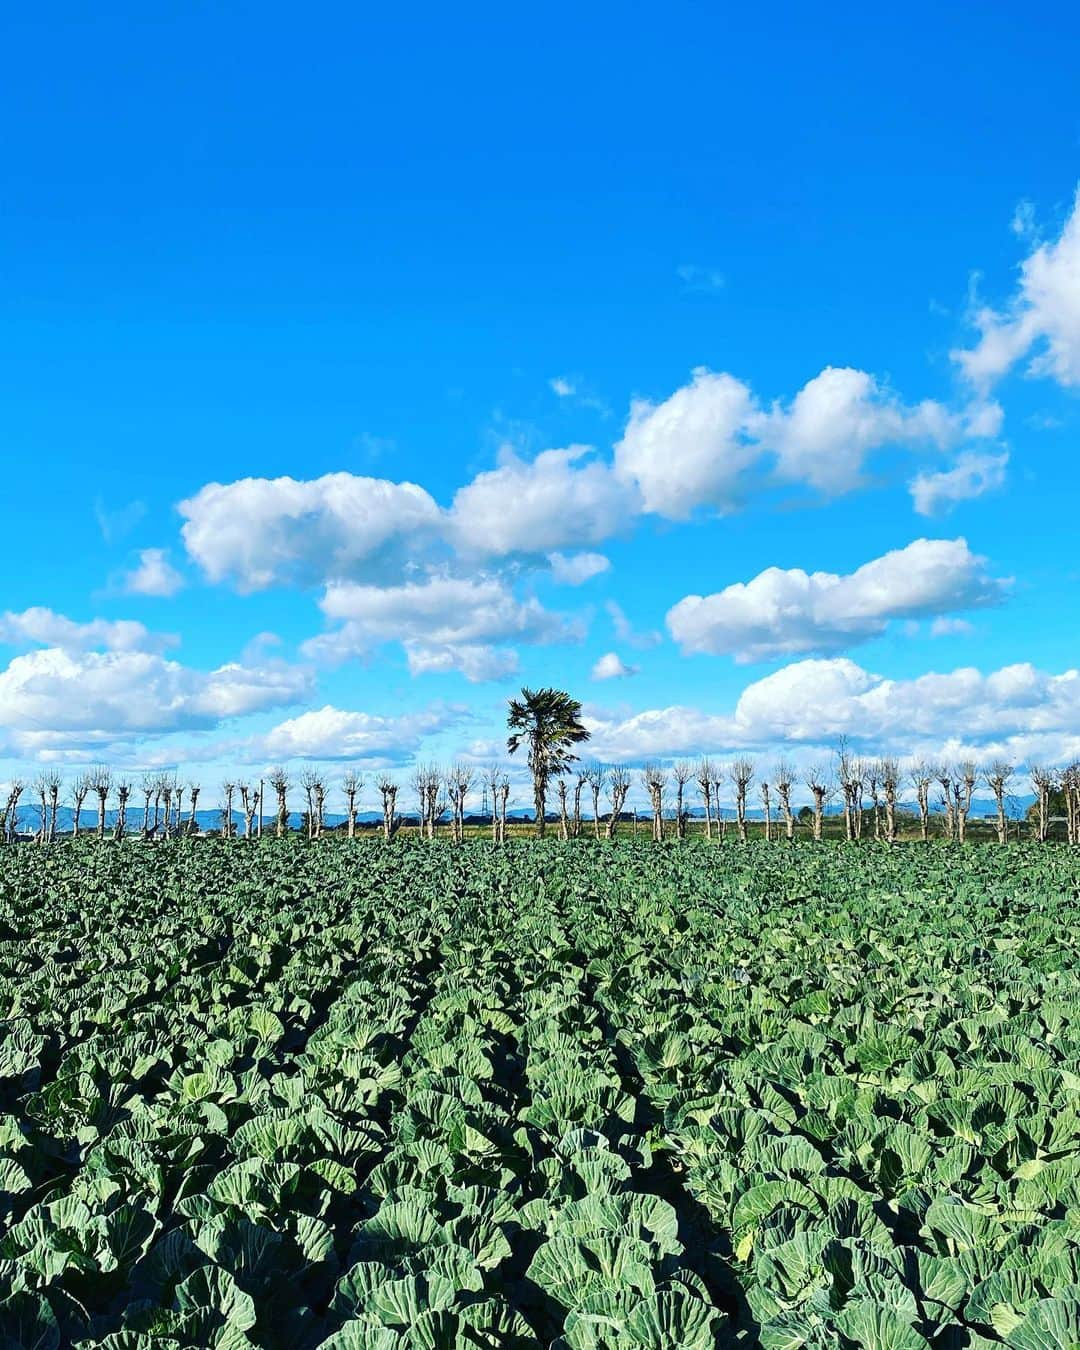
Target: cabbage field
291	1094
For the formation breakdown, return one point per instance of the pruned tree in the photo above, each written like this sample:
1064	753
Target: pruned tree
944	775
564	819
872	783
849	774
766	810
351	784
419	784
704	776
41	790
193	799
1042	782
597	778
742	775
889	772
998	777
921	776
967	775
548	722
123	793
579	786
101	786
246	808
783	779
719	777
146	787
308	779
817	780
228	828
459	782
54	783
388	791
262	808
279	781
618	787
682	771
654	779
1070	791
178	797
80	790
498	782
11	809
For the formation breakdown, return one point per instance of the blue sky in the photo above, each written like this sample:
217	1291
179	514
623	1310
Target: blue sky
240	246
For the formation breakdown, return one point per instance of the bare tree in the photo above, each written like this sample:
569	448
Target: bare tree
998	777
766	809
889	771
262	800
703	774
146	787
193	795
742	775
579	786
849	774
1070	788
11	809
80	790
718	779
123	793
101	785
388	790
1042	781
921	776
308	779
498	783
41	787
564	819
279	781
967	775
54	783
817	781
459	782
618	787
682	771
228	828
783	778
654	779
178	790
351	784
872	782
597	778
944	775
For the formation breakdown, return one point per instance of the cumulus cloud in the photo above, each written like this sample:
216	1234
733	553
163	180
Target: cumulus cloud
52	700
1018	712
562	387
948	627
575	568
445	623
154	575
561	498
692	449
703	446
1042	319
43	627
611	666
784	612
259	532
334	733
973	474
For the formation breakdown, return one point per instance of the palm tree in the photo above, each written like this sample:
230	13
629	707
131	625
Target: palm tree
549	723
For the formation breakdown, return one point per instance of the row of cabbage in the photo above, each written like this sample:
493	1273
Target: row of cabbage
300	1096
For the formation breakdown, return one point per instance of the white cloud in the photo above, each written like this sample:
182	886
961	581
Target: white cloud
260	532
154	575
334	733
973	474
1018	712
1043	317
692	449
39	626
948	627
52	700
479	663
575	568
444	622
611	666
626	632
834	422
561	498
783	612
563	387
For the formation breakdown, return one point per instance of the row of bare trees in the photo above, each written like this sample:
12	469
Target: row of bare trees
875	796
